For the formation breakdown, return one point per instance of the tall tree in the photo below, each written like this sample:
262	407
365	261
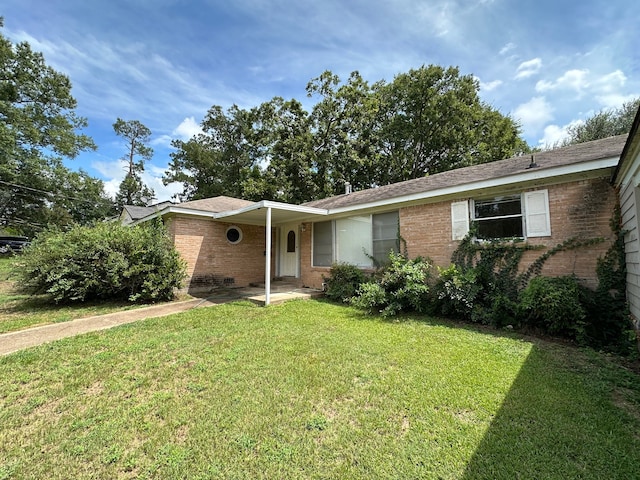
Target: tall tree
221	159
432	120
132	190
38	126
424	122
283	146
605	123
345	131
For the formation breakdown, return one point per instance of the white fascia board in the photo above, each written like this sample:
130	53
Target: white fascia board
456	190
174	209
274	205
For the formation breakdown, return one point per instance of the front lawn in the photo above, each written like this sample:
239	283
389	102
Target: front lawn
311	390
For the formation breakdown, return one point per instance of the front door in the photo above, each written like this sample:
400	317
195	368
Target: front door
289	246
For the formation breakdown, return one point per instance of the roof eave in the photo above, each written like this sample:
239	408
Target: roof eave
529	176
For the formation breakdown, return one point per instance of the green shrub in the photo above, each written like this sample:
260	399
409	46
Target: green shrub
343	281
457	291
402	285
553	304
105	261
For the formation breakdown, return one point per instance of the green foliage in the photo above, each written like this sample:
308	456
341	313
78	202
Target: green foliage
106	261
343	282
608	324
402	285
605	123
481	285
570	244
553	304
425	121
432	120
132	191
457	291
38	126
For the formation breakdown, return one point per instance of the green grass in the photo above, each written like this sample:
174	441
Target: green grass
311	390
19	311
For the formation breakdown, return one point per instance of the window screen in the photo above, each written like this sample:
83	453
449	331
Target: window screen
322	244
385	235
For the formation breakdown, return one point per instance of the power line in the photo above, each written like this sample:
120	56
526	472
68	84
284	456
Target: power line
24	187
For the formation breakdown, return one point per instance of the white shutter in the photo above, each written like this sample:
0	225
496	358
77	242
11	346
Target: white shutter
459	219
536	205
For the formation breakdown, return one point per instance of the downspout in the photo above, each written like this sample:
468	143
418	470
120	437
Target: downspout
267	266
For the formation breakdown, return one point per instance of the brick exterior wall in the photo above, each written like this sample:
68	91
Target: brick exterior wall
579	209
311	276
211	260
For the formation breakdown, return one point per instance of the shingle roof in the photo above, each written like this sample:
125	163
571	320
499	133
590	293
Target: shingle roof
216	204
137	213
574	154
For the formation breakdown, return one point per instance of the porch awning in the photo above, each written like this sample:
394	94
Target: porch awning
280	213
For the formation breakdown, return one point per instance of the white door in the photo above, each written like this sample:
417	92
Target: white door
289	247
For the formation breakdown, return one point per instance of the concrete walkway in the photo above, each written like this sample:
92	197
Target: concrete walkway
31	337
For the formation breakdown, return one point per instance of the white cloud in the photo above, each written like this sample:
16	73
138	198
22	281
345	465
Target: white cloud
528	68
490	85
615	100
554	135
534	114
187	129
572	79
115	171
507	48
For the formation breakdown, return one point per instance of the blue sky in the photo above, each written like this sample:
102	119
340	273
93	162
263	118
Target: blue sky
548	63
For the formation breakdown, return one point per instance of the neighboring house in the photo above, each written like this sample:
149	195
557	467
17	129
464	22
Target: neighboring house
627	178
132	213
543	199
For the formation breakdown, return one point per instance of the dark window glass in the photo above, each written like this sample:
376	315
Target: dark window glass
500	228
498	207
291	242
233	235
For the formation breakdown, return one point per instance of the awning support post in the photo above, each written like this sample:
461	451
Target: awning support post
267	266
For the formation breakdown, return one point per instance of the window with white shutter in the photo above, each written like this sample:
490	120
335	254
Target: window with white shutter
459	219
536	206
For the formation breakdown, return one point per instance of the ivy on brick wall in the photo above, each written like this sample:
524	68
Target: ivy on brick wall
499	284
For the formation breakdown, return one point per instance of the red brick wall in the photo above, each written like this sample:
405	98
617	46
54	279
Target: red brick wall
211	258
311	276
579	209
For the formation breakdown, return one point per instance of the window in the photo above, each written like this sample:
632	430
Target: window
355	240
499	217
323	244
385	236
234	235
507	216
291	242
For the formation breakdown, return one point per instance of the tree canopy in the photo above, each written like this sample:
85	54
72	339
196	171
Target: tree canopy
132	190
425	121
38	126
605	123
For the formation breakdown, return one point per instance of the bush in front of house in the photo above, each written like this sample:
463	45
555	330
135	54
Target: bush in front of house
343	282
403	285
105	261
457	291
553	305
